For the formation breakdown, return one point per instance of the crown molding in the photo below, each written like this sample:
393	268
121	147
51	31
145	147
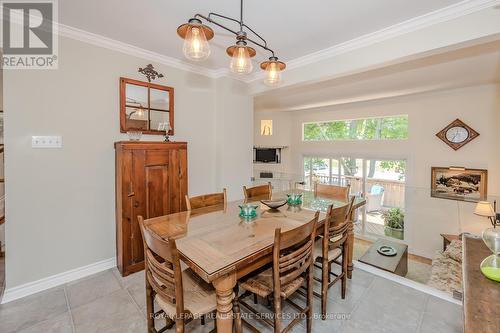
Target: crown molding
115	45
439	16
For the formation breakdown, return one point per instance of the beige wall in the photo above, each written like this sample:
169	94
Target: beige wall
428	113
60	206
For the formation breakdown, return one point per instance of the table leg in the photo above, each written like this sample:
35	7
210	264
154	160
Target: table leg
224	291
350	245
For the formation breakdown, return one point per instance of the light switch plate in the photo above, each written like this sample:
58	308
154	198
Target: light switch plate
46	141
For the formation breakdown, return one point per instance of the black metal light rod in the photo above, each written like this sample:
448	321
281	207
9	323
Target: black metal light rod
240	22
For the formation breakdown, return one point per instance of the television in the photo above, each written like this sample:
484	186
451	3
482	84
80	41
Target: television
267	155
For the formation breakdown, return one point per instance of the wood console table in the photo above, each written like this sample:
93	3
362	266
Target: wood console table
481	295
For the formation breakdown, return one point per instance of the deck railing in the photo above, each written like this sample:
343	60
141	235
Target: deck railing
394	190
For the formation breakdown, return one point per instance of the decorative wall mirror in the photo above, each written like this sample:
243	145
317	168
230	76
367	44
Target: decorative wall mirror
146	107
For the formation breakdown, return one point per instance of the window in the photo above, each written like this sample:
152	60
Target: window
381	181
387	128
266	127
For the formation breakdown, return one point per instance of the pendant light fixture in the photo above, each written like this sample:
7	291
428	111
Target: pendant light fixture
196	36
273	69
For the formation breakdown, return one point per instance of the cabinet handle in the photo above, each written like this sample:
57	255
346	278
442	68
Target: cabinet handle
130	190
136	204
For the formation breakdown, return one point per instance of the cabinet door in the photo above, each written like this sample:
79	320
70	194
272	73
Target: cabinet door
178	183
138	204
157	180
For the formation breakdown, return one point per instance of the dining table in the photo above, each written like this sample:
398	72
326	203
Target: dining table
222	247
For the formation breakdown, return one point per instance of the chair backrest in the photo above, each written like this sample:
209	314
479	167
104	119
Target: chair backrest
336	226
163	270
217	201
293	253
340	193
261	192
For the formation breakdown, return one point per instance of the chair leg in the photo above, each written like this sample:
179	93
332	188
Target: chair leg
344	271
325	279
310	284
277	313
255	300
236	311
150	308
202	319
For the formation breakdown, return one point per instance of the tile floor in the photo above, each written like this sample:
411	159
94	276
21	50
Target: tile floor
106	303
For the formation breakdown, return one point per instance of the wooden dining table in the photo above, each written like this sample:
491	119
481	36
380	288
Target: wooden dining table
221	247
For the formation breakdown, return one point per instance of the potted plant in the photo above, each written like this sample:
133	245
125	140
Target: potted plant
394	222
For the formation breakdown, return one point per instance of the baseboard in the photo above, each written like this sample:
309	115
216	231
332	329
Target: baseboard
34	287
407	282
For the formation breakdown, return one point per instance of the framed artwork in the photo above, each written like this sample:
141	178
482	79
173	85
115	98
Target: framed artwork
459	183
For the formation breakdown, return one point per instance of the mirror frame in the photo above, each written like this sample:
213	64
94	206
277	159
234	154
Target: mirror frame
123	83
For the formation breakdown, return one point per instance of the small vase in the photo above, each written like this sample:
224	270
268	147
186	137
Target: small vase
490	266
294	199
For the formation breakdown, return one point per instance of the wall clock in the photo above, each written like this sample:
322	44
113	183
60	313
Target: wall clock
457	134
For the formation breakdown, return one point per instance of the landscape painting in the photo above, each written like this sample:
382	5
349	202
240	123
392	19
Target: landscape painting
459	183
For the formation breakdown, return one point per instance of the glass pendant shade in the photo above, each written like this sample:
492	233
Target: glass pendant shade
241	62
195	44
273	69
490	266
273	74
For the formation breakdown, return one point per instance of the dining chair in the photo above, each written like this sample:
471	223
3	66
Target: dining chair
331	248
292	266
261	192
208	202
340	193
180	294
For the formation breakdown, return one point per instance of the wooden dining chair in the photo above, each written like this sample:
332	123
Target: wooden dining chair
340	193
180	294
208	202
332	248
261	192
292	267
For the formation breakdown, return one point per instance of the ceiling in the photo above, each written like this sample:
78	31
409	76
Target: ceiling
464	67
292	28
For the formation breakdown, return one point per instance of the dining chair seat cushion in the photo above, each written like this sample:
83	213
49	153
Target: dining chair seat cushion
199	296
332	254
262	284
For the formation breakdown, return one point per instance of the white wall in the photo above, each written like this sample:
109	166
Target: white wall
479	107
282	136
234	120
61	202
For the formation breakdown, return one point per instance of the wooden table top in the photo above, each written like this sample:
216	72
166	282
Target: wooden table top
217	242
481	295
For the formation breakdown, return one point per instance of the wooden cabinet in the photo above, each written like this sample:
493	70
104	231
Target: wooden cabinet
151	180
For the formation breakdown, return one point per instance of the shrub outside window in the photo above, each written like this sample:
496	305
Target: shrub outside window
384	128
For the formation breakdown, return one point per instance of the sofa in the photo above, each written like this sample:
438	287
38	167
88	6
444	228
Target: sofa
446	271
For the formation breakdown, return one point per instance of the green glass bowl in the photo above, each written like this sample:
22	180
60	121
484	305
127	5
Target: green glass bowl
294	199
490	267
248	211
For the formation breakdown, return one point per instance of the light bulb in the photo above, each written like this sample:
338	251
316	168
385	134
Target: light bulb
140	113
195	44
273	74
240	61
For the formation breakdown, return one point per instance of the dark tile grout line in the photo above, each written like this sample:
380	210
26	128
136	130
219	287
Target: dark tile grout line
358	302
422	314
122	285
69	309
